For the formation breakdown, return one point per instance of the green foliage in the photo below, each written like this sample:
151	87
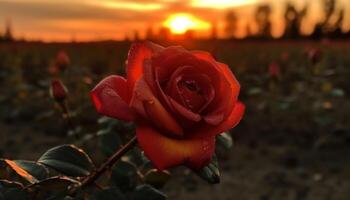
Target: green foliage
124	175
211	172
68	160
11	166
38	170
36	180
53	187
157	178
109	194
57	183
12	190
147	192
131	177
224	143
109	135
109	141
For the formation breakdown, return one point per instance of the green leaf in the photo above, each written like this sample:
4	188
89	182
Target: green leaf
38	170
12	190
225	140
147	192
157	178
57	183
107	121
109	141
211	172
53	188
124	175
135	156
109	194
19	171
224	143
69	160
9	184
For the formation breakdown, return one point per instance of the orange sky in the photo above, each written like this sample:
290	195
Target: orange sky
83	20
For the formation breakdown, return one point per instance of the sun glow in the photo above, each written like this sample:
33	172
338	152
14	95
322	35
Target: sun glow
180	23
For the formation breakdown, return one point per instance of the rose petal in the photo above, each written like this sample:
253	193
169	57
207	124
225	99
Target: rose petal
109	98
196	101
204	55
215	118
235	86
226	97
184	112
166	152
153	109
138	52
148	75
232	120
167	63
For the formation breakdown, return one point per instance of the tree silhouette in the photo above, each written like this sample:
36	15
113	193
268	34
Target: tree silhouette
293	19
136	36
331	25
8	37
329	8
262	18
150	33
248	31
230	24
164	34
214	30
336	31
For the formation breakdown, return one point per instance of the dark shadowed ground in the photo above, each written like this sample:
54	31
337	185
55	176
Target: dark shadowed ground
293	143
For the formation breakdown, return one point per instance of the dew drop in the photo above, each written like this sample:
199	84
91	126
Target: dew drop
205	145
110	92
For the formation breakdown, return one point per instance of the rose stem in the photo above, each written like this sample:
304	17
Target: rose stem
109	163
67	117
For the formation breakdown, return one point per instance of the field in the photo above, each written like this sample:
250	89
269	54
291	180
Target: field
293	143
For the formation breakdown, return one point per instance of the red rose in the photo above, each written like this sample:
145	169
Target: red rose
58	90
179	99
274	70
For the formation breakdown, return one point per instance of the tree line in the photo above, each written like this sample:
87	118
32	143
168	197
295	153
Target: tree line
330	26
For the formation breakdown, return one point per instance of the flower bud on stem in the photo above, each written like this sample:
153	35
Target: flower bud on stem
59	93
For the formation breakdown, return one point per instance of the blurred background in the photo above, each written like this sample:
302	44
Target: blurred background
291	57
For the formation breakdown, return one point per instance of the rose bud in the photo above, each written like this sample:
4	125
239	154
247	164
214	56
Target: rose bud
314	55
58	90
274	70
62	60
180	101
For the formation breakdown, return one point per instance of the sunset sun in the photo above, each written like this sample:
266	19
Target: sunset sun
180	23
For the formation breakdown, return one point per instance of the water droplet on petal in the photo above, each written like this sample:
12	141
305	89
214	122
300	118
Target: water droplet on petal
110	92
